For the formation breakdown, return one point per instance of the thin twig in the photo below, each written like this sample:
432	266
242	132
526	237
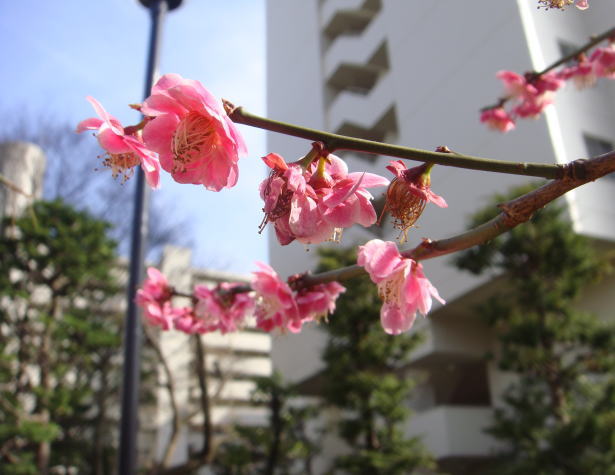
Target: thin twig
170	386
13	186
574	55
335	142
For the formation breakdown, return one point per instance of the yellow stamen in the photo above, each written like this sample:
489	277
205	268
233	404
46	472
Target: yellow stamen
192	138
121	164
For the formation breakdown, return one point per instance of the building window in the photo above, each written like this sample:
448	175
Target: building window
566	49
597	146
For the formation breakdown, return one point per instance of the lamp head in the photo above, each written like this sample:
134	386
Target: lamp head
171	4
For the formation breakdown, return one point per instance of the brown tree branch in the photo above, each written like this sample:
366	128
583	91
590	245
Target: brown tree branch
515	212
170	387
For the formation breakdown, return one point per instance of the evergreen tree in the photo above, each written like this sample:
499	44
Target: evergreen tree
58	341
365	378
559	415
282	447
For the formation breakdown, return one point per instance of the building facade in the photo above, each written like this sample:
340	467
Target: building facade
416	73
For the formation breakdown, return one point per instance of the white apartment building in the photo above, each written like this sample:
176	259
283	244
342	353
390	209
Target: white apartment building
416	73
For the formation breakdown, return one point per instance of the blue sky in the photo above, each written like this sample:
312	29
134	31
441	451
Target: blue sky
56	53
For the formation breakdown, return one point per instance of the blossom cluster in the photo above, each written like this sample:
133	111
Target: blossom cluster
402	286
227	306
561	4
186	131
527	95
313	203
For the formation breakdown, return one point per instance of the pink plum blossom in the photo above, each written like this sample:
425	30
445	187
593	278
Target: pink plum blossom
497	119
318	301
222	308
408	194
186	321
582	74
275	304
195	139
154	297
561	4
402	285
528	95
124	151
313	205
515	85
603	61
538	94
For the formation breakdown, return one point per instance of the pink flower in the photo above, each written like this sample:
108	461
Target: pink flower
222	308
186	321
196	140
124	151
561	4
497	119
155	298
532	107
275	304
317	302
343	197
515	85
408	194
402	285
313	205
539	96
603	61
531	93
582	74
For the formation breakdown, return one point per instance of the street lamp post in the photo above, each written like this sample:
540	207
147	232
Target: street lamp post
127	461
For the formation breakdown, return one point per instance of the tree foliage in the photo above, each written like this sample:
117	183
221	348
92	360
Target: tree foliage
282	447
558	416
58	341
365	378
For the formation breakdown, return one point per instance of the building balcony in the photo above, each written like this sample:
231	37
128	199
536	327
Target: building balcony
242	342
239	366
455	431
352	112
340	17
222	415
467	339
359	50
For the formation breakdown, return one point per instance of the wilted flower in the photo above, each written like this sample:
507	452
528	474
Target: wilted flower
408	194
124	151
196	140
